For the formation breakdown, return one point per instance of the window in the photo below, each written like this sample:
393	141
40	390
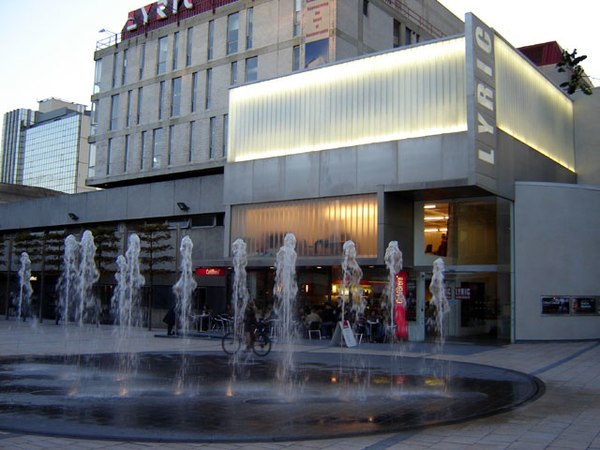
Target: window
333	222
126	154
211	137
461	231
192	140
233	74
124	67
297	17
176	96
161	65
366	7
411	37
249	27
114	112
94	117
157	144
208	86
296	58
211	39
171	145
108	156
142	60
97	76
161	100
128	117
436	228
114	70
194	99
225	134
92	161
252	69
316	53
139	106
233	26
142	149
189	46
175	50
397	33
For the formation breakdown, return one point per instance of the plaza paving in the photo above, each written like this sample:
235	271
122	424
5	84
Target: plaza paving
567	416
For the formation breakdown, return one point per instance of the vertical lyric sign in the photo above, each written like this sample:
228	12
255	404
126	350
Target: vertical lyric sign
481	99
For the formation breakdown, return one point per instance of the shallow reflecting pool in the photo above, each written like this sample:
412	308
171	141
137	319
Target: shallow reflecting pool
203	397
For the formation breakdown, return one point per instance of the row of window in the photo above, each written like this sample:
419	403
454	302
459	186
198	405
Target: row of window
154	151
163	63
174	108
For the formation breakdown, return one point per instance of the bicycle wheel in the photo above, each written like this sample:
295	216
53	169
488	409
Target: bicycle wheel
230	343
261	345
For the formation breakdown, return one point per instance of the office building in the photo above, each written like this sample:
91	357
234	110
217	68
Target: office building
47	148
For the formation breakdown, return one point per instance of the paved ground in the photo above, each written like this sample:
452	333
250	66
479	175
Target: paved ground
567	416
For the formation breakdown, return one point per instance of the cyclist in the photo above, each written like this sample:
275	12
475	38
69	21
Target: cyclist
250	323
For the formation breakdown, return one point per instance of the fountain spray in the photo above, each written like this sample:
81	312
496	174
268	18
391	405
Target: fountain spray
351	276
88	276
185	286
439	300
25	289
393	262
285	292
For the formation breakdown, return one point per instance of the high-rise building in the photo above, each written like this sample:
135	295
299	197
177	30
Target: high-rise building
160	106
13	144
47	148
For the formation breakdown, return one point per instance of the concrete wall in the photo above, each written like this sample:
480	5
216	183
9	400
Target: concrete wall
587	137
556	253
145	201
437	159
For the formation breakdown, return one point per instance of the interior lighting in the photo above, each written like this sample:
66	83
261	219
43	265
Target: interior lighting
429	206
354	103
436	218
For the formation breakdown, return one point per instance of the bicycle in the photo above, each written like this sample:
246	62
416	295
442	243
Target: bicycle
261	342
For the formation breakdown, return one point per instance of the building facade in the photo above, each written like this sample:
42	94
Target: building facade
47	148
456	147
13	144
160	106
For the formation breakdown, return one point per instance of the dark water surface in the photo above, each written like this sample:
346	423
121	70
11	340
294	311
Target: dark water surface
201	397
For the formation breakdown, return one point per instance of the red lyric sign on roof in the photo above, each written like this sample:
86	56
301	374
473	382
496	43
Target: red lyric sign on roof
160	10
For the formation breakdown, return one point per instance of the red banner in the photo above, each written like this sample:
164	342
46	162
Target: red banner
400	305
211	271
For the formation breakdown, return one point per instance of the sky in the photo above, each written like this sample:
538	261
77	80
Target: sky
48	47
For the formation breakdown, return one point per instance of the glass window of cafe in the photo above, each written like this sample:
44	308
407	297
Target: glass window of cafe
460	231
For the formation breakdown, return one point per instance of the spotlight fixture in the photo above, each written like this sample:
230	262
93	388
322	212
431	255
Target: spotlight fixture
73	216
183	206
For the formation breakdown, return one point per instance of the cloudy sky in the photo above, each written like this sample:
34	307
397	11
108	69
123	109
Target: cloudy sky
47	46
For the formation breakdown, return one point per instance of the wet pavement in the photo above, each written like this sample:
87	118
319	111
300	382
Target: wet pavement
566	416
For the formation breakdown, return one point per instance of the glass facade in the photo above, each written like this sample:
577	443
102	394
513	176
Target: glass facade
51	155
531	108
414	92
321	226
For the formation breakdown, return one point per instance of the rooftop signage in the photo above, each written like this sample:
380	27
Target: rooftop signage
163	12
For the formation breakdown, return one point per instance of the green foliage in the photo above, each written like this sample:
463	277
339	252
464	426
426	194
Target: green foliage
570	63
3	261
54	242
156	249
31	243
107	246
